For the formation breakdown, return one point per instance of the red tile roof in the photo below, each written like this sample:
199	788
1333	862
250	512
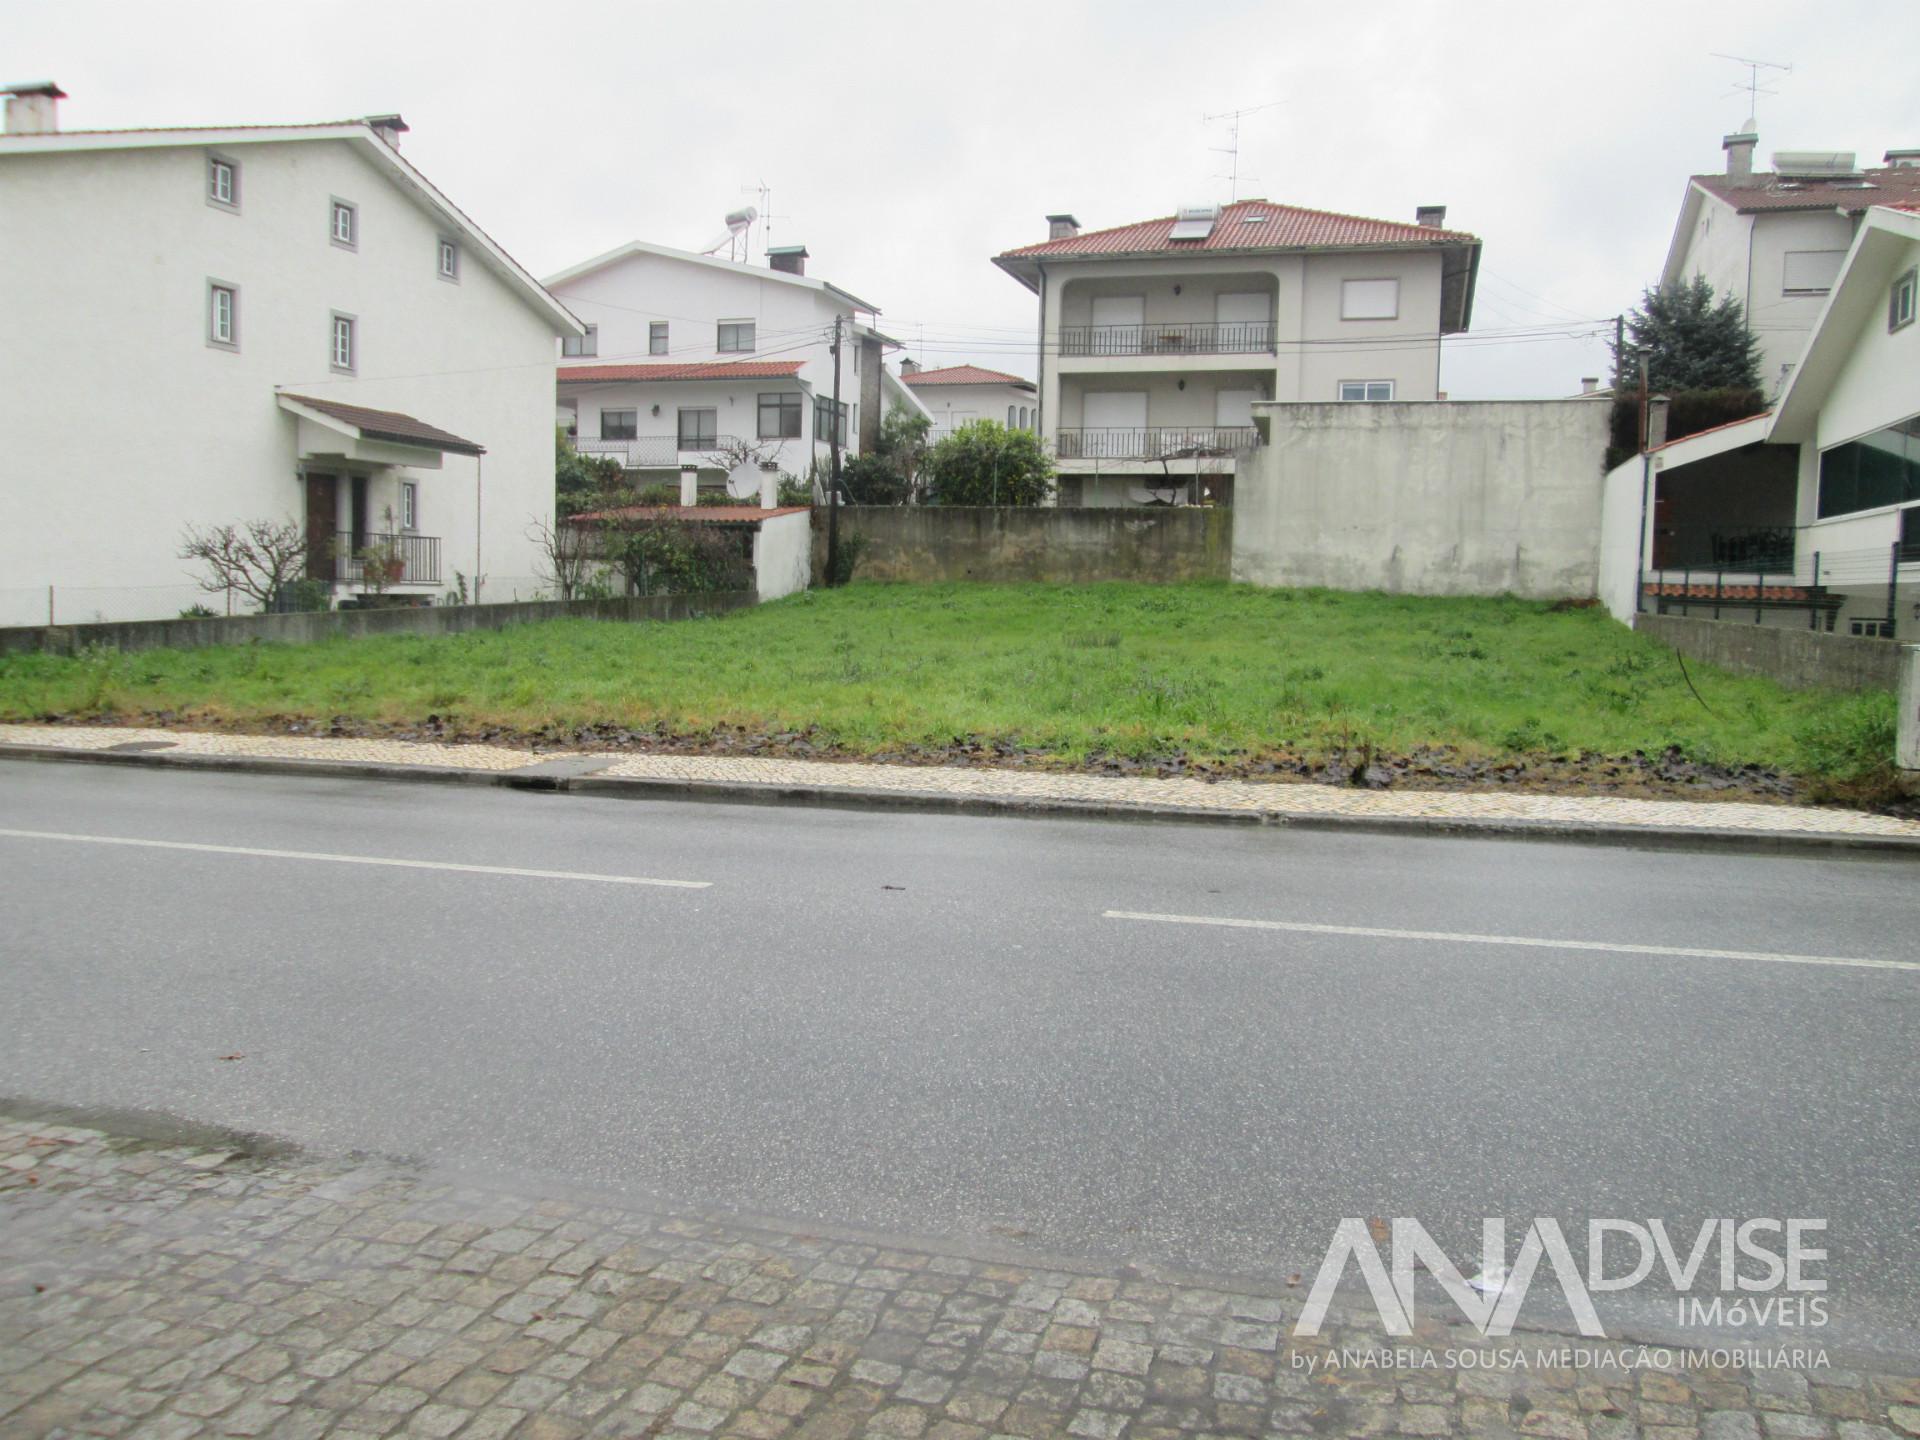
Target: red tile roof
1287	227
709	370
695	514
965	375
1896	185
389	425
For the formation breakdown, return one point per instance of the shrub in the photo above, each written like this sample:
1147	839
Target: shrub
663	556
1690	412
874	480
985	463
794	491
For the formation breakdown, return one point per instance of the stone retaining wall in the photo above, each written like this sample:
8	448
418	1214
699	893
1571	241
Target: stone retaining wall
1799	659
310	626
930	543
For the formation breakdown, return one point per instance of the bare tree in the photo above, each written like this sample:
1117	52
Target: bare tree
259	559
567	554
735	451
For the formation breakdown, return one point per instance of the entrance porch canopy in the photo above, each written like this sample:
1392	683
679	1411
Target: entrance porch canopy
335	430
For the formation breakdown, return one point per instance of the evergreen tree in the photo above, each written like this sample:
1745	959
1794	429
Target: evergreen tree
1690	340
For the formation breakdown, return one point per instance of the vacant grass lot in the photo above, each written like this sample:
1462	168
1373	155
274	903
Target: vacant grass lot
1208	671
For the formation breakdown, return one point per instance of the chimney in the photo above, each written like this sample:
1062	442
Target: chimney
33	107
909	367
1657	406
1903	159
769	487
389	128
1062	227
689	485
1433	217
788	259
1589	384
1739	148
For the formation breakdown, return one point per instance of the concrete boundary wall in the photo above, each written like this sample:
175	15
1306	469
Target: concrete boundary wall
1798	659
926	544
311	626
1478	497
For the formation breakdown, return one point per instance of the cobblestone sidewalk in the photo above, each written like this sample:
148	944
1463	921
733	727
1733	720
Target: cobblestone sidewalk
171	1291
1225	797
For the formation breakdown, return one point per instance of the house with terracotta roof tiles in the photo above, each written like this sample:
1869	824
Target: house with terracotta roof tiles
1807	515
1156	339
691	361
283	323
956	395
1774	239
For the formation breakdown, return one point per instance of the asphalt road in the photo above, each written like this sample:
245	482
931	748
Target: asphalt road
934	1026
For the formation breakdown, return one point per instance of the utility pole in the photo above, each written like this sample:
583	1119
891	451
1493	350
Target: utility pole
1619	350
833	468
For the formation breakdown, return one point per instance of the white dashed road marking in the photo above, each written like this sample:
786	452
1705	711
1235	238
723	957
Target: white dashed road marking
1453	938
249	850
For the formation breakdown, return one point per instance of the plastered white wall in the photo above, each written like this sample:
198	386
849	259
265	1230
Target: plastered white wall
123	425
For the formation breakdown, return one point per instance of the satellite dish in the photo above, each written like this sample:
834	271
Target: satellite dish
743	481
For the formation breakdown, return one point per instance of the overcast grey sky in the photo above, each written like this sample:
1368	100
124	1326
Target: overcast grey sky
906	143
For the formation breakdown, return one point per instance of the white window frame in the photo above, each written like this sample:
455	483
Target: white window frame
215	289
336	207
575	346
409	505
1366	395
657	337
1351	307
231	200
1787	287
446	259
720	346
1903	300
351	364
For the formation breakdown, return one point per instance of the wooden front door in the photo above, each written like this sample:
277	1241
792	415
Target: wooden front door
323	519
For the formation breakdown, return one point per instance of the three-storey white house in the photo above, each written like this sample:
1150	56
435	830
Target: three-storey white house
213	326
688	357
1156	338
1774	239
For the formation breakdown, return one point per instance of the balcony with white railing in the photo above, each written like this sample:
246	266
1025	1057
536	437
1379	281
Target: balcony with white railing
656	452
1153	443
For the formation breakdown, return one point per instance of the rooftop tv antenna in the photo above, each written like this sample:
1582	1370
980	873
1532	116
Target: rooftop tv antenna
1232	147
1753	88
767	217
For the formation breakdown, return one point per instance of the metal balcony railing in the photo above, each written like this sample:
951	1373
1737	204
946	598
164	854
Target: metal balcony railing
650	451
654	452
1211	337
382	559
1153	442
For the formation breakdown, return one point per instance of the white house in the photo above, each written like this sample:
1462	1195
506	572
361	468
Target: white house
687	356
1807	515
955	395
1774	239
1157	338
211	326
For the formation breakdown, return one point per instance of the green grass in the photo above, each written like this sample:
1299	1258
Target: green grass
1211	670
